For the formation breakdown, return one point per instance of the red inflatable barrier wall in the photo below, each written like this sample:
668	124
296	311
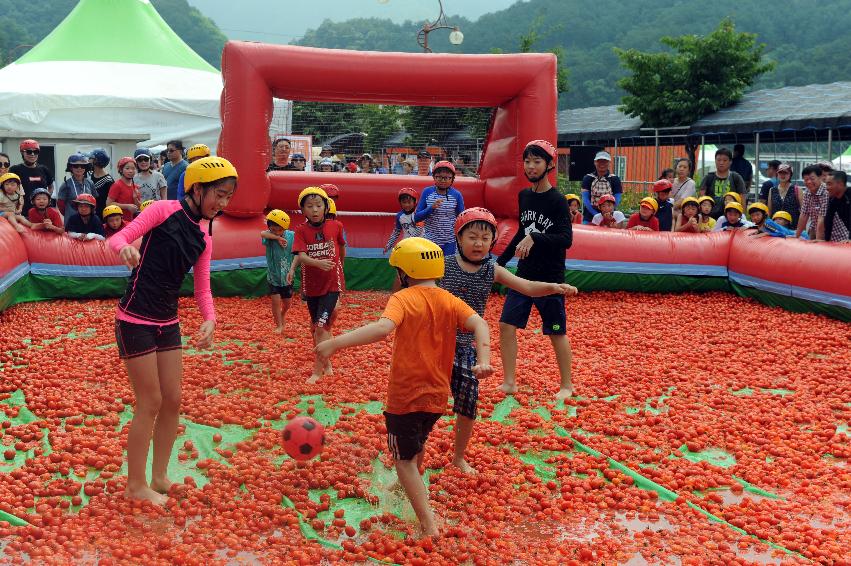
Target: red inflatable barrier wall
522	87
12	250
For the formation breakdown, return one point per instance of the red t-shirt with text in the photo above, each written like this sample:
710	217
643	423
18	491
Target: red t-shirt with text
320	242
635	220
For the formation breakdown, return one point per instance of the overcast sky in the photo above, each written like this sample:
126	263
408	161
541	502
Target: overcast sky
281	21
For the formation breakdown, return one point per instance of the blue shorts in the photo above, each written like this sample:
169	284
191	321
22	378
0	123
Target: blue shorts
517	308
449	248
464	385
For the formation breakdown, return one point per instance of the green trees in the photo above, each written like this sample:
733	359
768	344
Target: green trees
702	75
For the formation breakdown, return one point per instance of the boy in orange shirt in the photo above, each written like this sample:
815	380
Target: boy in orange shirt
425	319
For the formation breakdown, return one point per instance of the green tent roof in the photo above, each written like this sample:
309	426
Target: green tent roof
117	31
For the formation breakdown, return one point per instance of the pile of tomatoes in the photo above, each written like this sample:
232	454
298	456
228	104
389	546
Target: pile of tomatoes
705	427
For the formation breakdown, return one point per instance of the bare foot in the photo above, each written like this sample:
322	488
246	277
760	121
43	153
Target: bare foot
564	393
279	330
314	378
464	467
161	485
328	369
508	388
145	493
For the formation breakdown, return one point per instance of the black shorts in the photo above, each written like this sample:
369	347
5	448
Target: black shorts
322	307
464	385
517	308
407	434
136	340
286	291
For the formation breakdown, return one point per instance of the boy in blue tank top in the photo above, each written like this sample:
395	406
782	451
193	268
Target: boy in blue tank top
470	275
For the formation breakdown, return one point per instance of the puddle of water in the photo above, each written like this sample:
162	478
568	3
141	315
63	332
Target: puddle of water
639	560
242	557
757	555
635	525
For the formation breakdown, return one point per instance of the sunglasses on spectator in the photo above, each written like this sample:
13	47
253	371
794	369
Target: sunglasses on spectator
143	158
169	150
78	166
32	151
298	159
442	178
4	163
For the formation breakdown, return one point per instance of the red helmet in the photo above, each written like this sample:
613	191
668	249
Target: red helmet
444	165
408	191
606	198
543	144
331	190
475	214
124	161
86	198
29	144
662	185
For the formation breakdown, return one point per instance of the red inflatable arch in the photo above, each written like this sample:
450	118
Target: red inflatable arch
522	87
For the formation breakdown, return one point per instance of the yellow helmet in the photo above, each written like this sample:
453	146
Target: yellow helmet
704	199
145	204
692	200
207	170
112	209
312	191
782	214
332	207
734	206
737	196
572	196
9	176
198	150
418	258
758	206
651	203
279	217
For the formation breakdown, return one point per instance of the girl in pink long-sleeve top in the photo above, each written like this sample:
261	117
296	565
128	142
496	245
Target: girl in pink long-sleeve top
146	327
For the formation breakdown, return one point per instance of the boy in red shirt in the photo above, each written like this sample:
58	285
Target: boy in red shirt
320	247
42	215
425	319
113	220
645	219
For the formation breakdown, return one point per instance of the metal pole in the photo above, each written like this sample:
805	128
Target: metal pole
702	155
755	178
656	135
829	145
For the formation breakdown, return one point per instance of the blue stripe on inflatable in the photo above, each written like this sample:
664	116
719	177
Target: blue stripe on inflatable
791	290
10	278
640	268
238	263
59	270
366	253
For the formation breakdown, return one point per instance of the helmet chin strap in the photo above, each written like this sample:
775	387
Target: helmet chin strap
403	279
200	214
482	261
536	180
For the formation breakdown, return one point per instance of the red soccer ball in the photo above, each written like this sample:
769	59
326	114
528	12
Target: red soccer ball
303	438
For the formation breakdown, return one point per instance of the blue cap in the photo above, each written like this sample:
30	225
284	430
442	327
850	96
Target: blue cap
142	151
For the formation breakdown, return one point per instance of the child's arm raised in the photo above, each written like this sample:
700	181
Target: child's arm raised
372	332
481	336
531	288
269	235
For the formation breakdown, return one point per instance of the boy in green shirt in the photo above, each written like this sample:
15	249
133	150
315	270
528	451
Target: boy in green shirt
278	241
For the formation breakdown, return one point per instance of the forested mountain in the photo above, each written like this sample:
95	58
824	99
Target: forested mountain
25	22
808	39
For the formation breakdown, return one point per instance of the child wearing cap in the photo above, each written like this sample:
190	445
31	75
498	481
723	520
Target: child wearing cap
439	205
732	219
665	211
645	219
42	215
405	226
278	240
470	275
574	204
320	247
12	201
113	221
783	218
85	225
758	213
424	318
705	222
688	220
608	217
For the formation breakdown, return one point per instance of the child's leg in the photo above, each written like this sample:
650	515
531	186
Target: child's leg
564	357
465	397
508	352
142	371
170	369
276	312
412	483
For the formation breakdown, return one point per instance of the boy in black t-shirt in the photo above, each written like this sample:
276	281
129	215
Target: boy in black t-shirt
542	239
